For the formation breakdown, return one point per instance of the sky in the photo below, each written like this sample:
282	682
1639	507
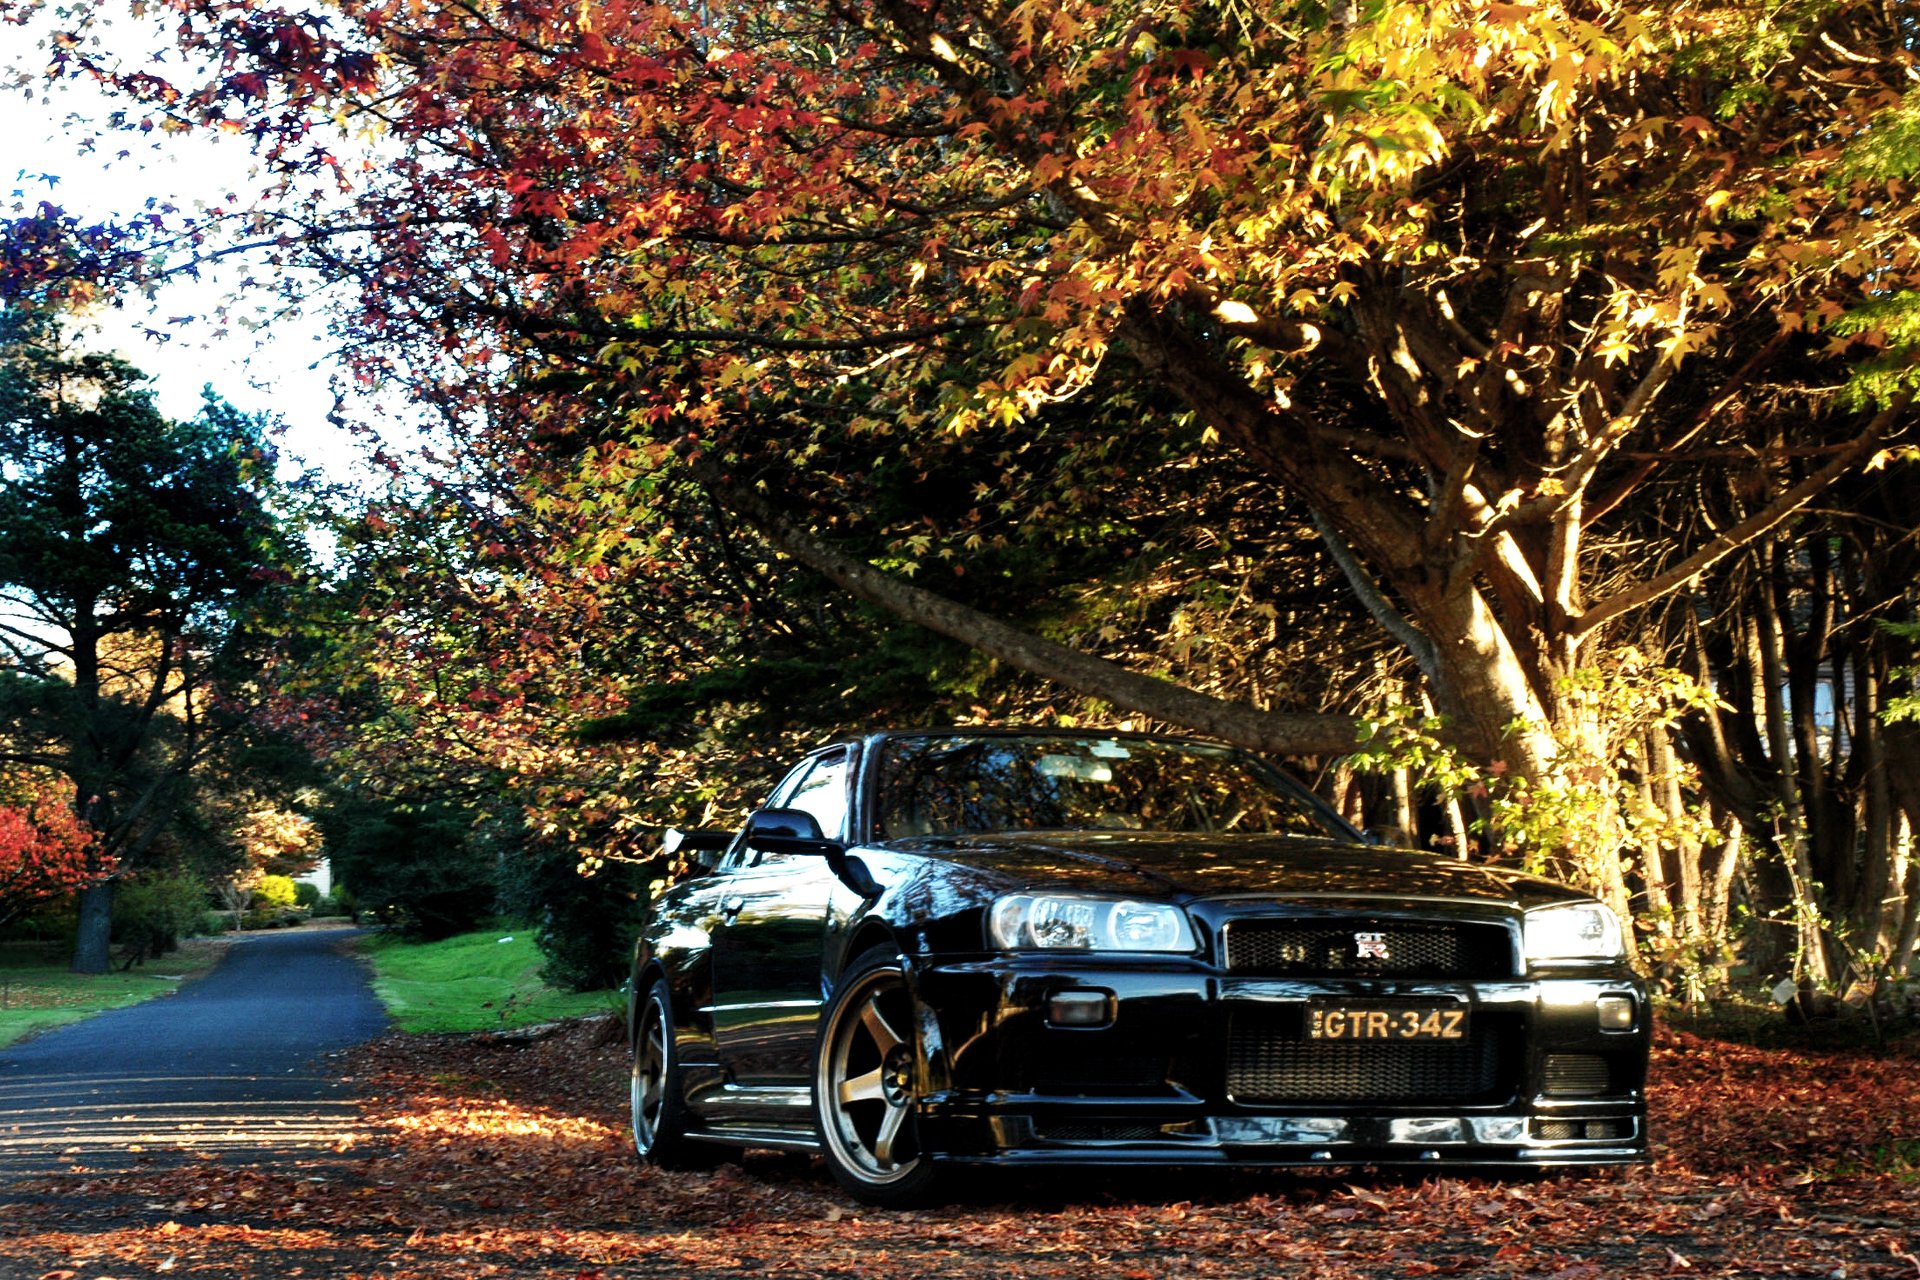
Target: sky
283	367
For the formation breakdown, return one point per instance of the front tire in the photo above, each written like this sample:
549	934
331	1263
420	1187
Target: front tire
864	1085
656	1102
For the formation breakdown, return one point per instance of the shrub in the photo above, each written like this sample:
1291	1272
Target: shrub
152	913
47	922
276	892
306	895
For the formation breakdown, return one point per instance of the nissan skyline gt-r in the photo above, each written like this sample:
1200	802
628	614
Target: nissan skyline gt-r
1026	948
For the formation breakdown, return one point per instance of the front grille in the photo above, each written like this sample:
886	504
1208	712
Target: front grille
1576	1075
1270	1061
1360	947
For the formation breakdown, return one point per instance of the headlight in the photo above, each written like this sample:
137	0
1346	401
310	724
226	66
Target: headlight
1577	931
1067	923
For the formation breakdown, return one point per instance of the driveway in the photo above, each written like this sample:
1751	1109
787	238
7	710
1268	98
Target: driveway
234	1065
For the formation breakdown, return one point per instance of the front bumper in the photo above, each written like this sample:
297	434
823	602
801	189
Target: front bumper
1191	1066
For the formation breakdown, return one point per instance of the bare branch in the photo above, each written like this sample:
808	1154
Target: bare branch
1882	426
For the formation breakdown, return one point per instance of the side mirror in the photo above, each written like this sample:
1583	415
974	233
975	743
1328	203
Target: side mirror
787	831
797	831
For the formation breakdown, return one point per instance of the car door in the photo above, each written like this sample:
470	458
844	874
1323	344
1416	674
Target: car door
767	948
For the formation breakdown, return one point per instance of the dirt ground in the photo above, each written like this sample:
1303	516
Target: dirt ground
512	1161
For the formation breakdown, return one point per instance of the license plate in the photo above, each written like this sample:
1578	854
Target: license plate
1327	1020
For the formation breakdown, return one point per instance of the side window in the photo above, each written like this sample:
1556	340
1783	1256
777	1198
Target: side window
823	793
738	855
782	796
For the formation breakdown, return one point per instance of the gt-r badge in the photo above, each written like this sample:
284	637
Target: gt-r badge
1370	946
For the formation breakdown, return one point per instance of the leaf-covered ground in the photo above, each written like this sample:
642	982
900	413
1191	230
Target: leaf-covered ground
513	1162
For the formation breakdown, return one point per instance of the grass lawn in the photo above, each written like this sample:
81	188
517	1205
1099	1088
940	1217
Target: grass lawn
473	982
37	992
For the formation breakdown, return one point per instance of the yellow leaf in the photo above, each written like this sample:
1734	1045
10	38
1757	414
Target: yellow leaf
1677	347
1616	347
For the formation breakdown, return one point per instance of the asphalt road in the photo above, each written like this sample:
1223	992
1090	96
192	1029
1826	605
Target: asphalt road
234	1065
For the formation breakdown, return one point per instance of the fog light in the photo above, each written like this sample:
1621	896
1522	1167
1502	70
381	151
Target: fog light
1616	1013
1080	1008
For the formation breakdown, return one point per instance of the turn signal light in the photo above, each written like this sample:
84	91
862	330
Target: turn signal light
1092	1008
1616	1013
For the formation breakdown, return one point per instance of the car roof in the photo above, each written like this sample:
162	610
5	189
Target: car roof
1016	731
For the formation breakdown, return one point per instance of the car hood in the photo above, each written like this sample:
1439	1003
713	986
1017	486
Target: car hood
1181	865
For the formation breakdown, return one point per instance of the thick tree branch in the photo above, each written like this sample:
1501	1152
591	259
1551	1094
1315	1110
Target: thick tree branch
1370	517
1236	722
532	324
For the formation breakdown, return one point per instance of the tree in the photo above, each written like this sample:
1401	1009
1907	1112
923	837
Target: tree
1801	748
130	545
43	848
423	868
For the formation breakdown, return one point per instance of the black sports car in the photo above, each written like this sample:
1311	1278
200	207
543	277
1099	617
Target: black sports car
1034	948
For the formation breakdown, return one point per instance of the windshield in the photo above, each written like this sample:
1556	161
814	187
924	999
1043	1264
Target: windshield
959	784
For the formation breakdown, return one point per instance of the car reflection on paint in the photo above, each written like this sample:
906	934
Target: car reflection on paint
947	947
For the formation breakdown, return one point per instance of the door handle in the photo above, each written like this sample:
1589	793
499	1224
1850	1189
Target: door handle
731	908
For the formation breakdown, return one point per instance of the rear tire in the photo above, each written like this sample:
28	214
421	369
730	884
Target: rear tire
656	1101
863	1091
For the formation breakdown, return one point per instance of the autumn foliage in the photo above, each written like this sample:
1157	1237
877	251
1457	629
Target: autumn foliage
44	849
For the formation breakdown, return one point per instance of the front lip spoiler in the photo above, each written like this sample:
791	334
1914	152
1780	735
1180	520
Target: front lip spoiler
1120	1154
1308	1141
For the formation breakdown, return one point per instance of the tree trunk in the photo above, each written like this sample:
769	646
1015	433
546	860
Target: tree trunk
1883	875
92	942
1898	917
1716	907
1406	826
1910	892
1482	685
1790	828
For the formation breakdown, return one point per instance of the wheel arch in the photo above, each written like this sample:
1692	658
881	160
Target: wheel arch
645	973
865	936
